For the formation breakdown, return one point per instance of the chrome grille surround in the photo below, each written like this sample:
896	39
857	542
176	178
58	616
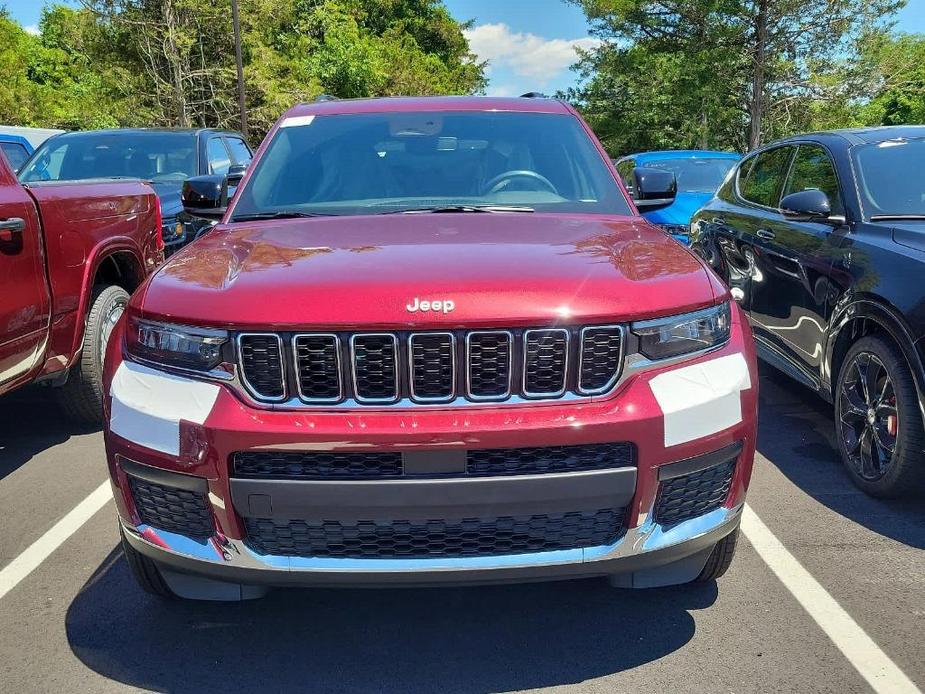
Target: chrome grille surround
251	387
484	366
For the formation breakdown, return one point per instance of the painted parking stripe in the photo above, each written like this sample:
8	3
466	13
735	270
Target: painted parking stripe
875	666
41	549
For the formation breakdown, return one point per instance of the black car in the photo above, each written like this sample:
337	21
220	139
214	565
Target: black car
822	239
164	157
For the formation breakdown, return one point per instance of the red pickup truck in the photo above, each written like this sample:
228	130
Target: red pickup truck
430	340
70	255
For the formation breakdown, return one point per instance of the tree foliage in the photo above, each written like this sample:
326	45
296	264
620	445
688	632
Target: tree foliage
171	62
730	74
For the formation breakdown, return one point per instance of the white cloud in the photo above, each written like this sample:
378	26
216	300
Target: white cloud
529	56
32	29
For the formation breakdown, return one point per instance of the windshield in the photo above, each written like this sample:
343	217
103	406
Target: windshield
695	175
891	177
152	156
395	162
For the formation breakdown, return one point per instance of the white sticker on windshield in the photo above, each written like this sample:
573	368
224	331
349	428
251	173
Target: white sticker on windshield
296	121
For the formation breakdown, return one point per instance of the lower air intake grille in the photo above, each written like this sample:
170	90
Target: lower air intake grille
168	508
262	365
682	498
466	537
494	462
317	465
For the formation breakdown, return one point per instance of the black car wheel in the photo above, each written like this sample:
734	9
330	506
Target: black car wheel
877	420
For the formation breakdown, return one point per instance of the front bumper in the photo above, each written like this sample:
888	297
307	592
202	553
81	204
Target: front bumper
674	416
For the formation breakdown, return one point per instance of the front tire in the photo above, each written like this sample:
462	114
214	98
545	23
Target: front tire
720	558
878	425
145	571
81	397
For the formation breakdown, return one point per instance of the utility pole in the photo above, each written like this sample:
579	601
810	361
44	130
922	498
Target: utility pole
239	64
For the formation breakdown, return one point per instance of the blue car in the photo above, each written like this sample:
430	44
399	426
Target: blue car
698	173
16	148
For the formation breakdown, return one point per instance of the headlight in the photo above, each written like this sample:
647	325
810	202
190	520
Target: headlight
690	332
184	347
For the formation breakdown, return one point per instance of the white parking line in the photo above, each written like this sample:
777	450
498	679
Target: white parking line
875	666
41	549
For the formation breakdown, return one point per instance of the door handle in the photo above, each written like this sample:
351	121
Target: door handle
9	228
765	234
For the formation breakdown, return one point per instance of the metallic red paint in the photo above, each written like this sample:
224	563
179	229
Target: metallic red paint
50	273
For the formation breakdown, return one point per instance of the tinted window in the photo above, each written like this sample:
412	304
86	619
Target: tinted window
891	177
219	161
155	156
700	175
239	150
625	169
813	170
766	177
386	162
15	153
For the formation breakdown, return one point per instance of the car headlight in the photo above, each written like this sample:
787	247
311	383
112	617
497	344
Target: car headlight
663	338
179	346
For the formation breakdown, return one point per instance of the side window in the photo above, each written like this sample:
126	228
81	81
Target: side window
765	180
625	169
813	170
15	153
239	150
219	161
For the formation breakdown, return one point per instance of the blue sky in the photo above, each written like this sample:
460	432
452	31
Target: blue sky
529	44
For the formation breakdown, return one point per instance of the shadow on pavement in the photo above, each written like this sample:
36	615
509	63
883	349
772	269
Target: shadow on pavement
796	433
409	640
31	422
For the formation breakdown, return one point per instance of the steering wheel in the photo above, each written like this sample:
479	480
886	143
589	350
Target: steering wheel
497	183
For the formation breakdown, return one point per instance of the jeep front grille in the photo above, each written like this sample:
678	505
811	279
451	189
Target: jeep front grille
389	368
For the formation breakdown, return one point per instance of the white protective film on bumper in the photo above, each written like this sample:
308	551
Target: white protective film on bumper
147	406
701	399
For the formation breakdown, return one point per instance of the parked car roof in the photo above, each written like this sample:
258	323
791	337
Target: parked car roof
680	154
429	103
123	131
857	136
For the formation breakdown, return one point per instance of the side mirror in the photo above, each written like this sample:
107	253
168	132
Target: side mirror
653	189
806	206
205	196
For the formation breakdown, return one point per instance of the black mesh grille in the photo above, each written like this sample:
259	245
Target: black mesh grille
168	508
545	357
317	465
531	461
489	364
432	366
466	537
374	367
601	351
262	362
683	498
318	363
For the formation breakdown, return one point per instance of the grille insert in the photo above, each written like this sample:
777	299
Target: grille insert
375	367
465	537
489	357
262	365
545	362
682	498
317	465
494	462
433	366
318	370
601	358
169	508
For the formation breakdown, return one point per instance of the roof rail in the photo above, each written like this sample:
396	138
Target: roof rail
325	97
534	95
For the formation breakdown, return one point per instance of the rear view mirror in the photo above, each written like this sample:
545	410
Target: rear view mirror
653	189
205	196
806	206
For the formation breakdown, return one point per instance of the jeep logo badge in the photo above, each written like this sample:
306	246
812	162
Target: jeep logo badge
438	305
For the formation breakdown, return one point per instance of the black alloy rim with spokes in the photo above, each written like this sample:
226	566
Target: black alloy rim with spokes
869	418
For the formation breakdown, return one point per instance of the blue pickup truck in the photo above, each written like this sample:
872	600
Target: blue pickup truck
698	174
16	149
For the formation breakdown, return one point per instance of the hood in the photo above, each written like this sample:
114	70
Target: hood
169	196
681	210
364	272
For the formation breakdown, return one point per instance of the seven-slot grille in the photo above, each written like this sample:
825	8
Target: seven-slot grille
430	367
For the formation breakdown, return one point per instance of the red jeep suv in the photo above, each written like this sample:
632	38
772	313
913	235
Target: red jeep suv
430	340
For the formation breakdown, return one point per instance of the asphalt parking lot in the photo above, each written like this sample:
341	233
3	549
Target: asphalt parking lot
77	622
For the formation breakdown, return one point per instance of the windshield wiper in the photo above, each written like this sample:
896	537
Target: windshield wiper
888	217
275	215
440	209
